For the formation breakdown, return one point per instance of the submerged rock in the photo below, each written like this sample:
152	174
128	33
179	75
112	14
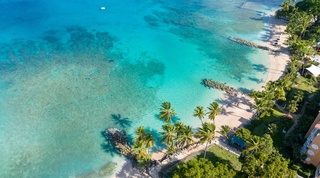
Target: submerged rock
251	44
119	139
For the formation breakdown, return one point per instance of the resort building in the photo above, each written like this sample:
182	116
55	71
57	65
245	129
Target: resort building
312	146
313	70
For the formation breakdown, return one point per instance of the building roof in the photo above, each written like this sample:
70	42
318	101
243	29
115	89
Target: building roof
238	141
314	70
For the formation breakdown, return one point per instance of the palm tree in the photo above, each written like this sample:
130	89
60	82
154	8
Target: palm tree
169	134
298	96
143	138
213	110
253	144
305	22
292	106
206	134
140	152
178	128
149	140
141	133
225	129
166	112
199	112
286	5
170	150
186	137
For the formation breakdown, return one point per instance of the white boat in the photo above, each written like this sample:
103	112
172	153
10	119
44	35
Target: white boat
103	8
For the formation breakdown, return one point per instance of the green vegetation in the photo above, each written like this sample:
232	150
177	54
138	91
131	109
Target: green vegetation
214	110
166	112
303	28
143	141
206	134
260	164
277	106
304	84
261	159
224	130
221	162
274	125
221	155
203	168
199	112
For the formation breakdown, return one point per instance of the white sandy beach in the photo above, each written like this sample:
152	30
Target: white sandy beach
236	110
278	60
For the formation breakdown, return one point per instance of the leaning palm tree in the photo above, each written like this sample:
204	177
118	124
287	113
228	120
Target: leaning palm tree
213	110
206	134
166	112
169	135
199	112
225	129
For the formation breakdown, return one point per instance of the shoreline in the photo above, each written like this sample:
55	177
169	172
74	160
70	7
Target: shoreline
236	110
276	40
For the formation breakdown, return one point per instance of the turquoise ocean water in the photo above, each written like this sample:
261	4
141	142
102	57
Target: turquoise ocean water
69	70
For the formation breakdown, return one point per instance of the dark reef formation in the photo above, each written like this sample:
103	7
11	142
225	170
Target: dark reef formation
119	139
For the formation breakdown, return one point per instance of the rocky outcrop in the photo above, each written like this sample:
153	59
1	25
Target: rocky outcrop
119	139
251	44
223	87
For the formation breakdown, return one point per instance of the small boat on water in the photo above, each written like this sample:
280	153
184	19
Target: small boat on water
103	8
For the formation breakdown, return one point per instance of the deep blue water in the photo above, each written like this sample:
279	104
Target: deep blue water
69	70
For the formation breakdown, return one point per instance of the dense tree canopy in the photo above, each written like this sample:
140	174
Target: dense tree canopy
203	168
261	159
267	165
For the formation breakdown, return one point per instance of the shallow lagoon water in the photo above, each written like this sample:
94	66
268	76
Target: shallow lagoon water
69	70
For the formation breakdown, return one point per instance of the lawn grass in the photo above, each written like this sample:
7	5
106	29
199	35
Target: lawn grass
283	123
215	154
218	154
303	84
275	116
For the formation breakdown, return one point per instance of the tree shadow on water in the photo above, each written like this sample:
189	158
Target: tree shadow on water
259	68
108	146
122	122
245	90
254	79
157	139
